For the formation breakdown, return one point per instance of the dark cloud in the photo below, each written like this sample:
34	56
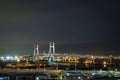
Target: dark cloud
70	22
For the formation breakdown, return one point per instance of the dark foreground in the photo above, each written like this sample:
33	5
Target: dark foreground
58	75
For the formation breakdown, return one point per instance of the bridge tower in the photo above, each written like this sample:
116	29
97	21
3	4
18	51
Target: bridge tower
52	47
36	53
36	50
51	52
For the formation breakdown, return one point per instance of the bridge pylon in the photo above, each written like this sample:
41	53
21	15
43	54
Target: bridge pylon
36	50
51	52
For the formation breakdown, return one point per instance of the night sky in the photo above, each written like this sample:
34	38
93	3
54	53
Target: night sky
76	26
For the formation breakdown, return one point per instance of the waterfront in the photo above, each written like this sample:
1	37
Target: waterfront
53	66
68	68
66	62
58	75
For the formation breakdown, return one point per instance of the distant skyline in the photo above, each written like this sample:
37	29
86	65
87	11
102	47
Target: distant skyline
79	26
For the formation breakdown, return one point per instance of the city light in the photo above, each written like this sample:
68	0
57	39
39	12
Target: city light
61	64
7	57
2	57
37	78
16	57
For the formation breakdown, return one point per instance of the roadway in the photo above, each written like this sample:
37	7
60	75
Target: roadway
84	72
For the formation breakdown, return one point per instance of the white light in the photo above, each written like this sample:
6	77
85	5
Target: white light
93	73
79	77
88	77
16	57
2	57
7	57
68	74
37	78
10	57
